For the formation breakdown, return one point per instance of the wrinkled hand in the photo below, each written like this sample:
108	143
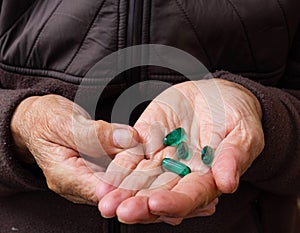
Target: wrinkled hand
213	112
55	132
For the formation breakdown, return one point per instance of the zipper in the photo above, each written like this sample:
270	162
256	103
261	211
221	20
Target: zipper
256	209
134	36
135	13
114	225
132	76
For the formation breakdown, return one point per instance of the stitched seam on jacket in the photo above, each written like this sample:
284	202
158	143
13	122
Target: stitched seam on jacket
18	19
245	31
285	21
194	30
85	36
118	25
41	72
146	68
39	34
150	20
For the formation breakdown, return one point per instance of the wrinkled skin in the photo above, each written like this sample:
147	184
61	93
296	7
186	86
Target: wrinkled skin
59	135
213	112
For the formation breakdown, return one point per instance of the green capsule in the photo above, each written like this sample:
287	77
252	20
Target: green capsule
183	151
207	155
175	137
176	167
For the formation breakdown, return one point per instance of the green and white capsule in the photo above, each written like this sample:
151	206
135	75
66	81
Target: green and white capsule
175	167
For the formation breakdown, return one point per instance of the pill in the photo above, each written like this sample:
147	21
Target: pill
175	167
183	151
207	155
175	137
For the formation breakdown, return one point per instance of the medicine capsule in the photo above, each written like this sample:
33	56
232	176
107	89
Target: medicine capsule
175	137
176	167
183	151
207	155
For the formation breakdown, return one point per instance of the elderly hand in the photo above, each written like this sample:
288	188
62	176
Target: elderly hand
215	112
56	132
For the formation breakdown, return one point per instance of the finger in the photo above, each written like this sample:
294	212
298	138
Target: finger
151	134
170	221
138	210
98	138
147	176
165	181
120	167
131	162
199	212
191	192
141	177
139	203
209	210
108	204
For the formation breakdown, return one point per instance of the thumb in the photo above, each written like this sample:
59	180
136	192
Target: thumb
98	138
234	156
225	167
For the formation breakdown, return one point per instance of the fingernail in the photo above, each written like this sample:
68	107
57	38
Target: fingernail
123	137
